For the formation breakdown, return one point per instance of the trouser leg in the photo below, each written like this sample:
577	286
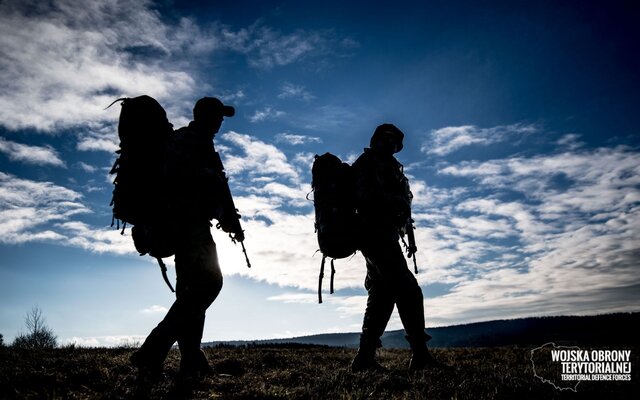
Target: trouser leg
388	269
410	303
203	282
199	281
379	308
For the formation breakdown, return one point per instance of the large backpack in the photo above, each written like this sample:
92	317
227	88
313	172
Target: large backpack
139	195
336	219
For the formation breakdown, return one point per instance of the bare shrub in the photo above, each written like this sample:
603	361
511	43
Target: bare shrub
39	335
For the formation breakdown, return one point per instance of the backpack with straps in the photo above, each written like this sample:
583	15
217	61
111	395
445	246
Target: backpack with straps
336	220
140	179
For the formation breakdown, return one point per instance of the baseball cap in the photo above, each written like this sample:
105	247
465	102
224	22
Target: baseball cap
211	105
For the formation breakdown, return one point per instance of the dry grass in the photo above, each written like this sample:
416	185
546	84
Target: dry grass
287	373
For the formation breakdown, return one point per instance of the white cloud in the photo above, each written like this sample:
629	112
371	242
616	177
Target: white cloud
293	139
449	139
291	91
232	97
303	298
332	118
258	158
266	48
266	113
26	207
295	194
304	161
86	167
106	341
100	137
98	240
573	247
482	227
64	61
42	211
571	141
38	155
283	252
155	309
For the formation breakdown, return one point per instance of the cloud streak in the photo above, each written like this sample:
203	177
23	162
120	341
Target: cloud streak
27	207
266	48
291	91
266	113
452	138
295	140
38	155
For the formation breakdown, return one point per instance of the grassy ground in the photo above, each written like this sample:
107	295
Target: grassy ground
274	373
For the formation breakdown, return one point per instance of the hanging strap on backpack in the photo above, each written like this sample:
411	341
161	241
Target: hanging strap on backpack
333	272
163	268
320	279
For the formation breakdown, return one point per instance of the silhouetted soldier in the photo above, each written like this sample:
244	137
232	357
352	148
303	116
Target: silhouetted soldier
195	175
383	200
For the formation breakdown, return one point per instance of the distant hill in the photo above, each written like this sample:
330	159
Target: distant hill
599	330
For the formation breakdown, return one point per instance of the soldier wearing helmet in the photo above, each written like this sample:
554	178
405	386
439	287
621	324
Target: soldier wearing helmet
383	201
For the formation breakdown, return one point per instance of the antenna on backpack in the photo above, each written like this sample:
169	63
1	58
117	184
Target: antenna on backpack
115	101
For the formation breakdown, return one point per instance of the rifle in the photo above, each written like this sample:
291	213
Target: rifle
408	228
227	213
411	248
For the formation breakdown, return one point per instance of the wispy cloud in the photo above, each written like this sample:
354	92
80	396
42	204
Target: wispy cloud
449	139
293	139
27	207
266	114
43	211
291	91
328	118
571	141
267	48
97	240
38	155
86	167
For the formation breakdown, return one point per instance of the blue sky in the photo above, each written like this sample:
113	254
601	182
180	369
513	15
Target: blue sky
521	145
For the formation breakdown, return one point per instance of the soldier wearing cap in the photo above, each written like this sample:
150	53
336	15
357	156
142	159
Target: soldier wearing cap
193	171
383	201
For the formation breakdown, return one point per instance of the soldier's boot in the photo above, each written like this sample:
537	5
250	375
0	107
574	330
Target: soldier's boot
423	359
194	366
365	360
149	365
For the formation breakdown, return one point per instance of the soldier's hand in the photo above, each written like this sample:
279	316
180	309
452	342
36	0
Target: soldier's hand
230	223
239	236
411	250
